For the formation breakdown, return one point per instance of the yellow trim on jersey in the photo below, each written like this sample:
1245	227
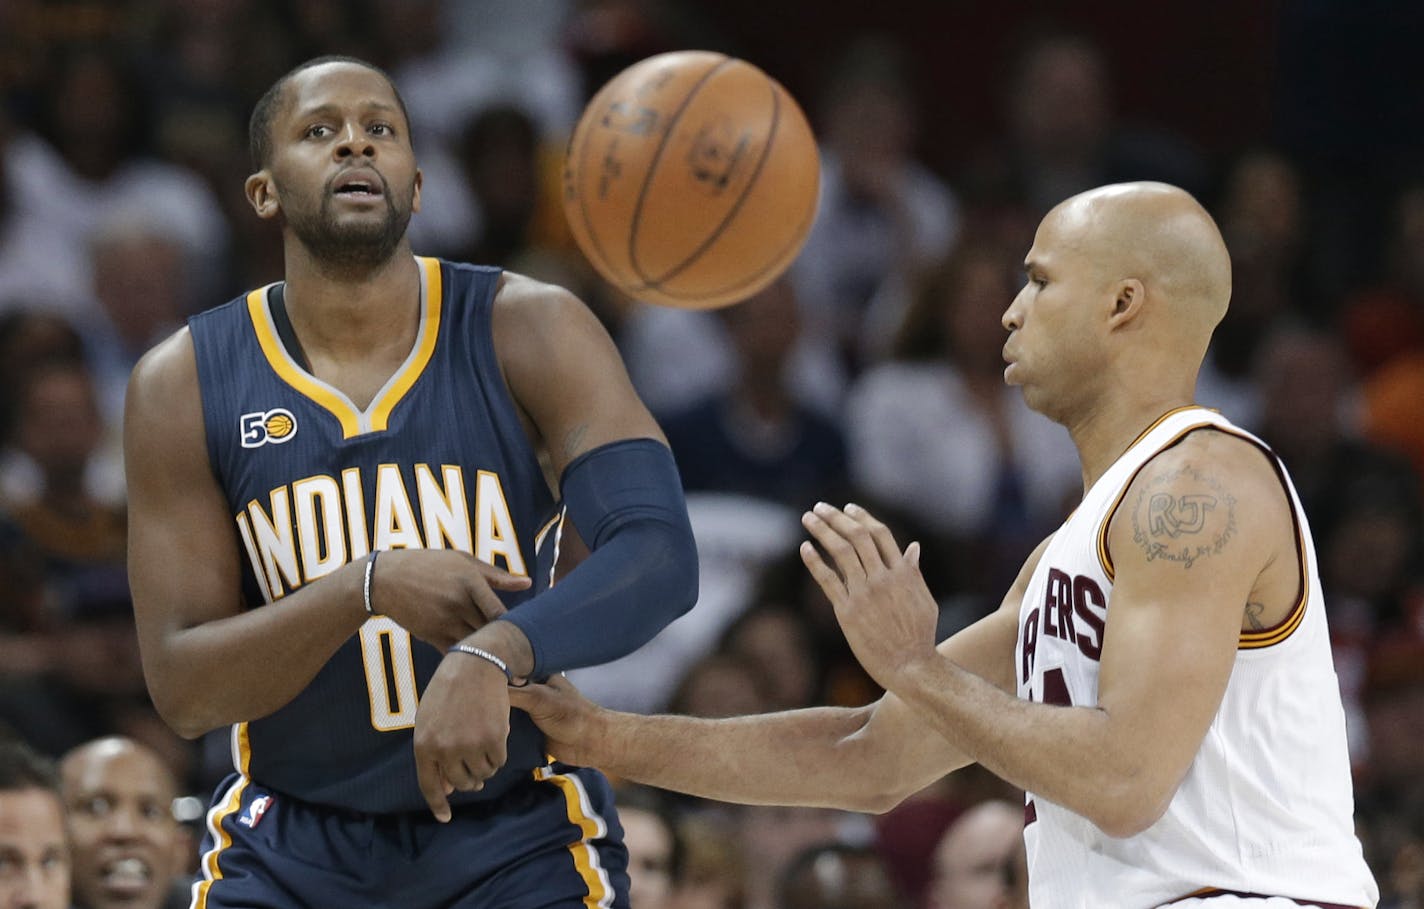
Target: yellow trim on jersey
548	526
221	840
376	418
1255	640
244	749
1248	640
401	383
1104	556
303	382
600	895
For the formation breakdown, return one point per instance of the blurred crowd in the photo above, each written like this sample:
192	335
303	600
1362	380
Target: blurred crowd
870	373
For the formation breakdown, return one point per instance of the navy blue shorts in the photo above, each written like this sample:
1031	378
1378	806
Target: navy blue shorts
552	843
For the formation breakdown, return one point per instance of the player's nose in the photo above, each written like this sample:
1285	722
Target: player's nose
1012	319
354	141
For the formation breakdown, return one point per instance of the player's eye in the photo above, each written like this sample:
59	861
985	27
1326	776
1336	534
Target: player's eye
317	131
382	129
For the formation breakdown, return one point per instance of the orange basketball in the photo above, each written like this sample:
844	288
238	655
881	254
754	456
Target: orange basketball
691	180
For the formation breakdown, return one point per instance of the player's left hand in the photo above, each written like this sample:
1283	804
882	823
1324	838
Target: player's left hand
461	728
880	598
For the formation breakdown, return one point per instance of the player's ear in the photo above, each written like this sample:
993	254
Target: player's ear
1128	299
415	197
262	194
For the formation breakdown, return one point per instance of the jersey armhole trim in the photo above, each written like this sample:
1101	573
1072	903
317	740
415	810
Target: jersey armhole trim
1104	555
1248	640
1255	640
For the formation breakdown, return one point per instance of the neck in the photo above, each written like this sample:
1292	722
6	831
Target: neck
1107	428
342	309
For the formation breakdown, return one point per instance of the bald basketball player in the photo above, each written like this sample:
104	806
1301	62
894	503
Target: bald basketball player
1158	679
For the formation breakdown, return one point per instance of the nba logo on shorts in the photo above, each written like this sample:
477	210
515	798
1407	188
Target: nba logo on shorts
253	815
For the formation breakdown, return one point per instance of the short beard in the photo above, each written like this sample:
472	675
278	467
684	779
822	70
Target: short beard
363	246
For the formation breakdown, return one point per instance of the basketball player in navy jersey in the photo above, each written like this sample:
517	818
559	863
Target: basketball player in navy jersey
342	540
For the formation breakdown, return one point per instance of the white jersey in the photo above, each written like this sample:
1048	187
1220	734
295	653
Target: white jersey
1266	806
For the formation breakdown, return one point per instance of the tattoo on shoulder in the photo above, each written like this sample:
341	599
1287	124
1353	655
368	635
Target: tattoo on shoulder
574	438
1183	527
1253	616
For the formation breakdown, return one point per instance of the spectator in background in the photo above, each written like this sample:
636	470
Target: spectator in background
38	261
81	675
203	65
939	416
1262	222
128	849
836	876
143	290
971	859
908	835
757	438
1386	321
499	154
1310	417
34	854
720	685
92	162
1363	501
1064	135
654	853
883	217
772	838
780	641
1393	395
713	875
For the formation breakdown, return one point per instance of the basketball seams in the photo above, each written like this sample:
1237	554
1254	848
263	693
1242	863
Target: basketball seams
653	168
736	207
692	244
712	298
587	139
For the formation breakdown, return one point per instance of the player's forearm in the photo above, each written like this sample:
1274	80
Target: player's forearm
1072	756
248	665
641	572
804	757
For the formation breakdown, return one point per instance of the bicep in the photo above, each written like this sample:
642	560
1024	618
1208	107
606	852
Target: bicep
183	566
565	372
1175	612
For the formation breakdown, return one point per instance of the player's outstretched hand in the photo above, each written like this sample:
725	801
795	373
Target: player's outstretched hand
880	597
461	727
564	715
439	595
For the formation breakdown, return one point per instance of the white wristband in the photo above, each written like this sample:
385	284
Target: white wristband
366	584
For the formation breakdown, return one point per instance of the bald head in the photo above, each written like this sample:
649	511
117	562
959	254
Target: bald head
127	845
1160	235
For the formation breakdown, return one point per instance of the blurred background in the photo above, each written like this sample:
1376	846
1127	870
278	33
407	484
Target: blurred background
870	373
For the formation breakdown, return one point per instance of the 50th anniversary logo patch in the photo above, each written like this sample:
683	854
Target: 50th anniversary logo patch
258	428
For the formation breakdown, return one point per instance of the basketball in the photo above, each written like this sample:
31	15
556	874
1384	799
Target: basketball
691	180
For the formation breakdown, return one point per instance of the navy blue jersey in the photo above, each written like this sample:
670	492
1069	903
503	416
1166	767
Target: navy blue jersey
438	460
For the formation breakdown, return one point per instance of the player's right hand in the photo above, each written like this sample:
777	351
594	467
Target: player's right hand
568	720
439	595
